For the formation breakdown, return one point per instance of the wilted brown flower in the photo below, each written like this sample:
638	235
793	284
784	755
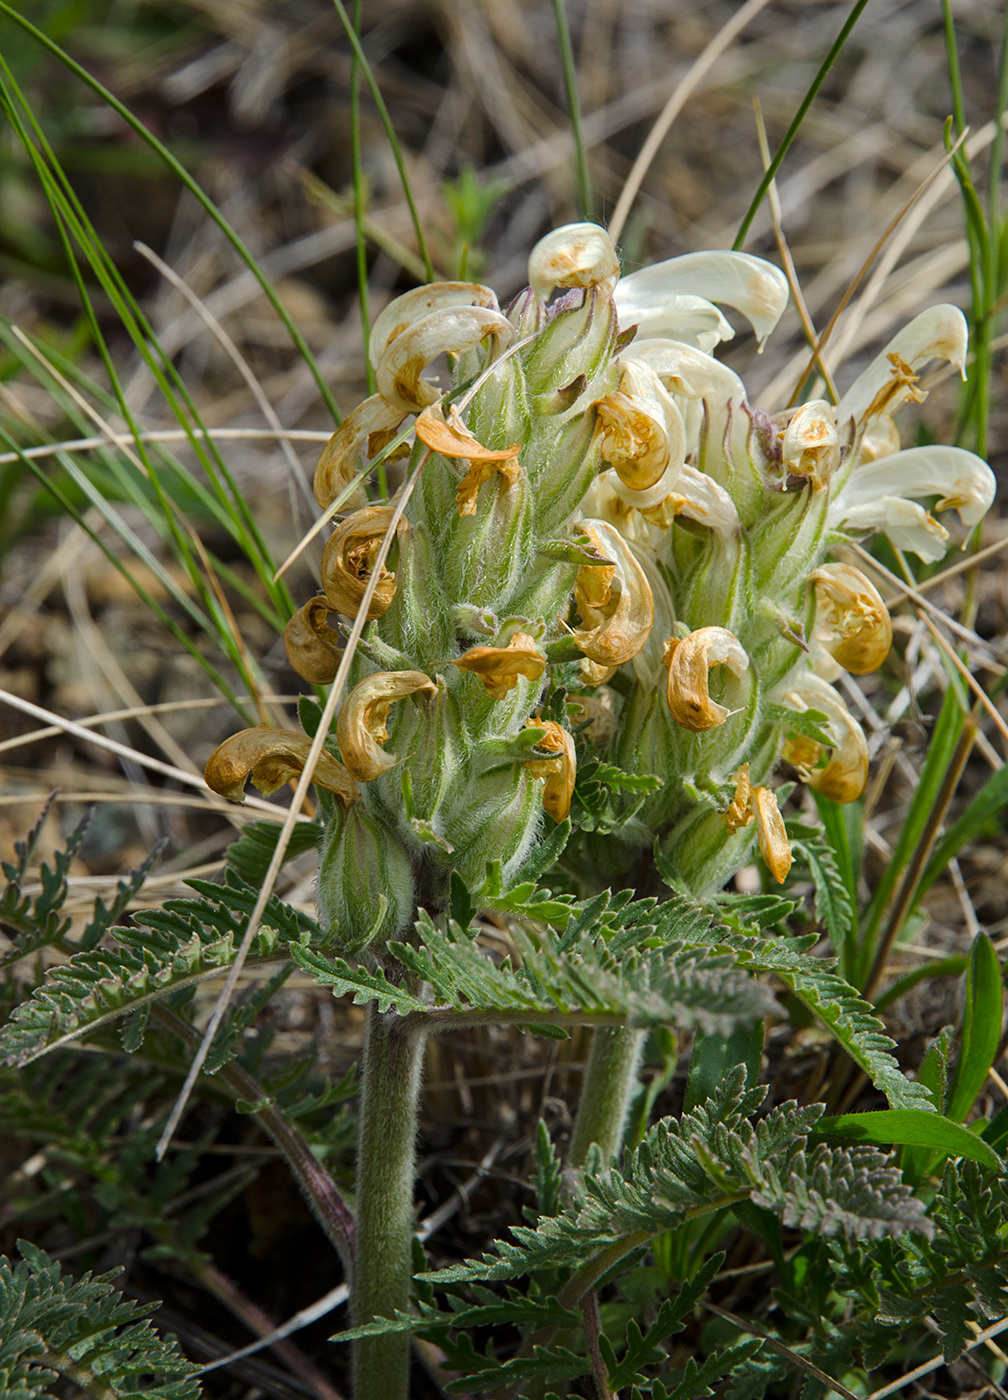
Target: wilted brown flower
348	559
852	622
618	625
773	843
360	725
312	646
452	438
272	757
499	667
559	770
689	663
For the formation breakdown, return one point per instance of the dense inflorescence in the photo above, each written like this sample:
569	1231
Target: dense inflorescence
600	547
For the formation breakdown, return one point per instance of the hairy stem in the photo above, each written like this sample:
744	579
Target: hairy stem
390	1093
610	1077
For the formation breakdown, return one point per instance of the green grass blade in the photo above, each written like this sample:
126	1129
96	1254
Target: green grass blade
191	185
574	108
771	171
137	547
71	220
359	191
390	132
948	728
981	1030
941	967
910	1127
985	806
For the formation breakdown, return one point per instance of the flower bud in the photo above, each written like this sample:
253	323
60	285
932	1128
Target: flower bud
313	648
348	559
811	443
576	255
360	726
739	811
689	663
272	757
852	622
365	889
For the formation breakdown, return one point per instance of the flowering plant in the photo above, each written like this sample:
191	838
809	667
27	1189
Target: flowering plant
602	558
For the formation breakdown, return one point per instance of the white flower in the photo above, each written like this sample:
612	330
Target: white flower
885	495
938	333
576	255
674	299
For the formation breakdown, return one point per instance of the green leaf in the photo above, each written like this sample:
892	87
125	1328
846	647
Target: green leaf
844	1013
834	907
981	1030
988	802
910	1127
172	948
947	729
251	854
84	1330
357	982
713	1056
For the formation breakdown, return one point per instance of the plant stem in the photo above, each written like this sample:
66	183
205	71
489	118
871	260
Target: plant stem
610	1077
391	1066
321	1192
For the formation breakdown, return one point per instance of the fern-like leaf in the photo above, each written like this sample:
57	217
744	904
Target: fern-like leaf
84	1331
708	1160
588	981
833	906
178	946
35	923
845	1014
